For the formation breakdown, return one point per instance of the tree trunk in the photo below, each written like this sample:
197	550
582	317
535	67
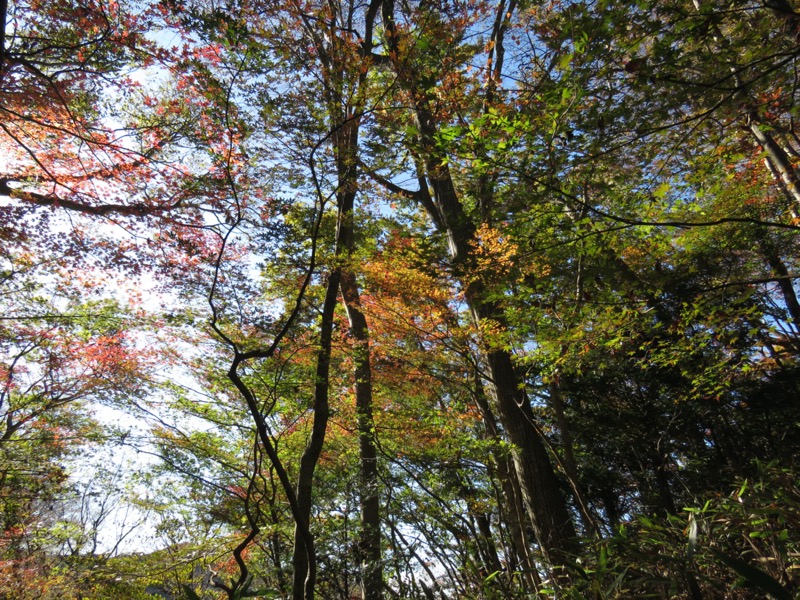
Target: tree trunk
781	165
370	542
510	501
569	463
548	512
552	524
303	557
346	154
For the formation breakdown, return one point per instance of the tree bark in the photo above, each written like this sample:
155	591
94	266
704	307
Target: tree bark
568	462
344	120
781	165
784	282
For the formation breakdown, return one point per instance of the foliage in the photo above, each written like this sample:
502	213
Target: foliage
741	544
428	300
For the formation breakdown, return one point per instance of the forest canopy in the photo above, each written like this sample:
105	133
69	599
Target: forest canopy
450	299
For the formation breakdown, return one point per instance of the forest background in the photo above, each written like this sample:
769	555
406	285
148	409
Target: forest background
436	299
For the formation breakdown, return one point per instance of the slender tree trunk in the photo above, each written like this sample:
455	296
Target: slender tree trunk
300	508
370	542
3	17
661	468
346	155
345	143
486	542
781	165
777	160
303	557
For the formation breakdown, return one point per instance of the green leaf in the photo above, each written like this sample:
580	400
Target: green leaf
603	561
617	582
692	536
492	577
742	490
661	190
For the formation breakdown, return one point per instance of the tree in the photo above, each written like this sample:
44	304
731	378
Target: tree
62	352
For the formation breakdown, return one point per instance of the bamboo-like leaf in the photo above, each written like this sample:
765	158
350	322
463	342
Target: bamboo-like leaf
692	536
754	575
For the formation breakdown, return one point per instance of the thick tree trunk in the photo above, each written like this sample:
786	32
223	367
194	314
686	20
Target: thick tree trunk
552	524
510	500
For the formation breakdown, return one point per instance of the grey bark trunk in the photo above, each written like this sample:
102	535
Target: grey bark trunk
779	161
